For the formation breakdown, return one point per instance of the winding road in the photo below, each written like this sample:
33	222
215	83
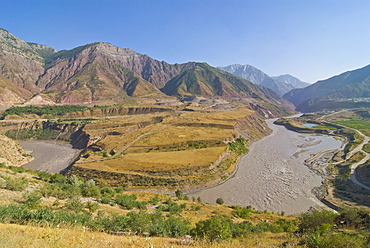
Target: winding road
354	151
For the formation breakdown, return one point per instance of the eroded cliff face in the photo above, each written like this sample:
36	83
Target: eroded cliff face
19	62
253	127
11	153
45	130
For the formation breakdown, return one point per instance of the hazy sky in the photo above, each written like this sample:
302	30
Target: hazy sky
309	39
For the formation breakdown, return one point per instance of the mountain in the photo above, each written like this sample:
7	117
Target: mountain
256	76
289	79
32	73
102	71
20	65
341	91
205	80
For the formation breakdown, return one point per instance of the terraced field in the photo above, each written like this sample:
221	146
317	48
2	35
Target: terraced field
183	146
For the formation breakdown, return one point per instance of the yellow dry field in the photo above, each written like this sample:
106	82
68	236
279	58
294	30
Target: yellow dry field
178	141
224	117
174	136
158	161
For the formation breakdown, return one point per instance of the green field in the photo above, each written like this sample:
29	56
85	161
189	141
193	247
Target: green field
361	125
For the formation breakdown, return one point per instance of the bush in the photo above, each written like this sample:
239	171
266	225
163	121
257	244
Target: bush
287	226
332	240
16	184
74	204
312	220
119	190
155	200
32	198
89	189
92	206
220	201
107	192
242	228
127	201
105	200
241	212
213	229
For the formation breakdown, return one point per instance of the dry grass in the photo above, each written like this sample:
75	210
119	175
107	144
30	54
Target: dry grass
37	237
158	161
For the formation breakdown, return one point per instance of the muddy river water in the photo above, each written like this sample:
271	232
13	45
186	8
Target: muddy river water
49	156
272	175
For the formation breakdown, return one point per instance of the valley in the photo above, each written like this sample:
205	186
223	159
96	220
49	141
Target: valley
118	143
273	175
138	149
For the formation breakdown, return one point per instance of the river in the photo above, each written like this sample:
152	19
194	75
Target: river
49	156
272	175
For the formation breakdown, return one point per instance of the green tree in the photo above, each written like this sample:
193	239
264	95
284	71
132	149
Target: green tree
213	229
219	201
312	220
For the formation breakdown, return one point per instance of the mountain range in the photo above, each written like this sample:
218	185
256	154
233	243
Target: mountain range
101	71
280	84
350	89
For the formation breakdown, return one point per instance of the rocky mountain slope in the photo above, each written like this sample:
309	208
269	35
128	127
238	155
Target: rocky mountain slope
208	81
280	85
101	71
341	91
20	66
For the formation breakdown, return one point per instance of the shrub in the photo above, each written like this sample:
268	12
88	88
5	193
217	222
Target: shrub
331	240
107	192
213	229
220	201
74	204
179	194
241	212
89	189
119	190
312	220
155	200
242	228
127	201
32	198
287	226
16	184
105	200
195	207
17	169
92	206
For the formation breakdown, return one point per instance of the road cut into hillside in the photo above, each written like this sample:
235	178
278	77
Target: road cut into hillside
272	175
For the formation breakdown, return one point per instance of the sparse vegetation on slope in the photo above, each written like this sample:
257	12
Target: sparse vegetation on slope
46	212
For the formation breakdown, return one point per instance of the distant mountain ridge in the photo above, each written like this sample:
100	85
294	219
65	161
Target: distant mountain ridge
289	79
340	91
101	71
281	84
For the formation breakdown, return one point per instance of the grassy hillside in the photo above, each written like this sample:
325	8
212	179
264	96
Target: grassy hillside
39	209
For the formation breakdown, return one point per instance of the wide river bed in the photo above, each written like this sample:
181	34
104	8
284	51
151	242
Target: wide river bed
272	175
49	156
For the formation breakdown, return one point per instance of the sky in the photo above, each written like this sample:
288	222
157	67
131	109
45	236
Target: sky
309	39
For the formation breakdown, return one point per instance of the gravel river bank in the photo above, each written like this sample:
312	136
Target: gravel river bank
272	175
49	156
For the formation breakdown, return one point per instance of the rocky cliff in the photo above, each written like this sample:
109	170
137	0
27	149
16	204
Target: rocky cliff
11	153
